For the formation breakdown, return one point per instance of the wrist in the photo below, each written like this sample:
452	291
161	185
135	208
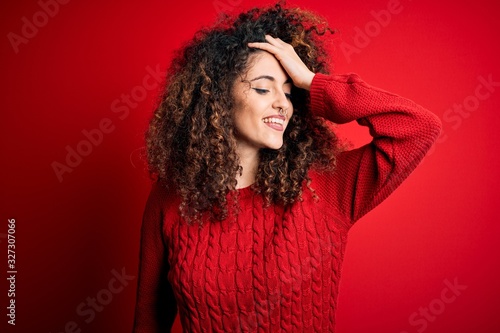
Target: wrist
307	81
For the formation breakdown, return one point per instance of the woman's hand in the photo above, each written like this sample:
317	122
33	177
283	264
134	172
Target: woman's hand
299	73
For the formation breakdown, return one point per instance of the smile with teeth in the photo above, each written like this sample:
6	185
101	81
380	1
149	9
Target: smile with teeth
274	120
277	123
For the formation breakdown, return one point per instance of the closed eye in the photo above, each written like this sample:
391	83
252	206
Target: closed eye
261	91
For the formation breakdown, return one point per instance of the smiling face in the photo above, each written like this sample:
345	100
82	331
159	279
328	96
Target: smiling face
258	98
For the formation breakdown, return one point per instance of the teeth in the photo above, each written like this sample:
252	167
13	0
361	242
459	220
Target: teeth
273	120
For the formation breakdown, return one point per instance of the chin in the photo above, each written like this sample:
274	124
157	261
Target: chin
274	145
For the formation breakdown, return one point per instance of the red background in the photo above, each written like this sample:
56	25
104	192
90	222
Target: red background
441	225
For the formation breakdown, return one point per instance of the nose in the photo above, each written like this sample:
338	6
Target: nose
282	102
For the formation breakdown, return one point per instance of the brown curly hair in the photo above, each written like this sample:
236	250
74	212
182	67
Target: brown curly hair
190	142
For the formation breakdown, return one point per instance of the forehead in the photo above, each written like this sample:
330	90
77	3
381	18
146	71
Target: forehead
264	63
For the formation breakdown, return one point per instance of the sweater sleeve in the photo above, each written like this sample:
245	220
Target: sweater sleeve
402	134
156	307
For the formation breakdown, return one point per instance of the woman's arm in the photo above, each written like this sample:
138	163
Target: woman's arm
156	307
402	133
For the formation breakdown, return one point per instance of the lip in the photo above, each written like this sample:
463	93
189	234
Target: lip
278	116
276	126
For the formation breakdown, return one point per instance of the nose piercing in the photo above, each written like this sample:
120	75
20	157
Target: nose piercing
282	113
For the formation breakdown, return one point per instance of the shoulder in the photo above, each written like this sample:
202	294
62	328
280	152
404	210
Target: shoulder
321	195
323	186
163	200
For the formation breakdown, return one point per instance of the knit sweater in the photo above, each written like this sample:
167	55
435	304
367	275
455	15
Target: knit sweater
274	269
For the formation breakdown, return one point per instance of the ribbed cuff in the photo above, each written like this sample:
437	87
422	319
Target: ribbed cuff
332	96
317	93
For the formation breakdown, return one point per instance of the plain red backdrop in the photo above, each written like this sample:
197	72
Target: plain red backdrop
75	233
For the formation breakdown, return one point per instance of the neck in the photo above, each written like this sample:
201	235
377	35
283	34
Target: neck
249	161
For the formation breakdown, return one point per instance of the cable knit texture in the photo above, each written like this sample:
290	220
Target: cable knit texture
274	269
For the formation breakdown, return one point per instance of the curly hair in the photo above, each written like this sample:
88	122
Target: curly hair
190	142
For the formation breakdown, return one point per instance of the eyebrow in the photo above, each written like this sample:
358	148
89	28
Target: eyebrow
270	78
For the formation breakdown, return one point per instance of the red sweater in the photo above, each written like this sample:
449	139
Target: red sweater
275	270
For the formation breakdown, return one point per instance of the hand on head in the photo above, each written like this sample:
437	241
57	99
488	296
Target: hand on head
299	73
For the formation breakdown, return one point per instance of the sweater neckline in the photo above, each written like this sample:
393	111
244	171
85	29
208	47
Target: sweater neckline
245	191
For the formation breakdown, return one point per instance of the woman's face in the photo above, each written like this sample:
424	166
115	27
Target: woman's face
258	98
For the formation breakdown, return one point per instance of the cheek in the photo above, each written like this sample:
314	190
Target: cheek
247	113
238	122
238	111
245	120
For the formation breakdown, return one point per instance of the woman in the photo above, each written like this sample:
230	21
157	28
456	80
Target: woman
246	226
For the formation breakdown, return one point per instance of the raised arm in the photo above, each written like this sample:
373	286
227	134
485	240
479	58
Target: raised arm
156	307
402	133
